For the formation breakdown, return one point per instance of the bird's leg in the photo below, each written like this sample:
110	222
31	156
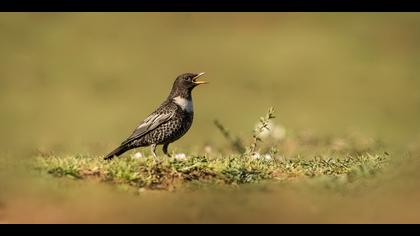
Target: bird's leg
153	148
165	149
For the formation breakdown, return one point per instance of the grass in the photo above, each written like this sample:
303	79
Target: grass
244	168
170	173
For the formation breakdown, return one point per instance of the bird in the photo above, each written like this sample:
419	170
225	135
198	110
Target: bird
168	123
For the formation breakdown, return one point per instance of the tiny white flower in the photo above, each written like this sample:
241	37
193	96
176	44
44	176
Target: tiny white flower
208	149
137	155
180	156
268	157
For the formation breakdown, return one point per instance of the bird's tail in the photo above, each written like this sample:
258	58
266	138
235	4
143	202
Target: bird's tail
117	152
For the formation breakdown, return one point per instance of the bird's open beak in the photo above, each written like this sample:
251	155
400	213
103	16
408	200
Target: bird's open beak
199	82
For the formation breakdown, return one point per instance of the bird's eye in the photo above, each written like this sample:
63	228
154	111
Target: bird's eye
187	78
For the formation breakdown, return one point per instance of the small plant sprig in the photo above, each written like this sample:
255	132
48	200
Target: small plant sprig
236	142
262	125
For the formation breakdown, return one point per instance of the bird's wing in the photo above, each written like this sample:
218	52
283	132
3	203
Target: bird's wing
149	124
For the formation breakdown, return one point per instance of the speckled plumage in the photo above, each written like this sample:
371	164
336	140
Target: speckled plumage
169	131
169	122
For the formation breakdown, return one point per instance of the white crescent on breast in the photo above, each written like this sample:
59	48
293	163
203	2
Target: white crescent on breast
185	104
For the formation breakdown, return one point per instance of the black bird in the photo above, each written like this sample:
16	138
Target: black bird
168	123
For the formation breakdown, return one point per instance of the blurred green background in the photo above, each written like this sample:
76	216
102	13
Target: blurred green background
80	82
72	81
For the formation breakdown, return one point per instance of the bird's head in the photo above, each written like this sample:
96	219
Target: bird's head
188	80
185	83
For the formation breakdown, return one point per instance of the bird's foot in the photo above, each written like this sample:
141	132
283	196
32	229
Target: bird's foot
153	149
165	149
